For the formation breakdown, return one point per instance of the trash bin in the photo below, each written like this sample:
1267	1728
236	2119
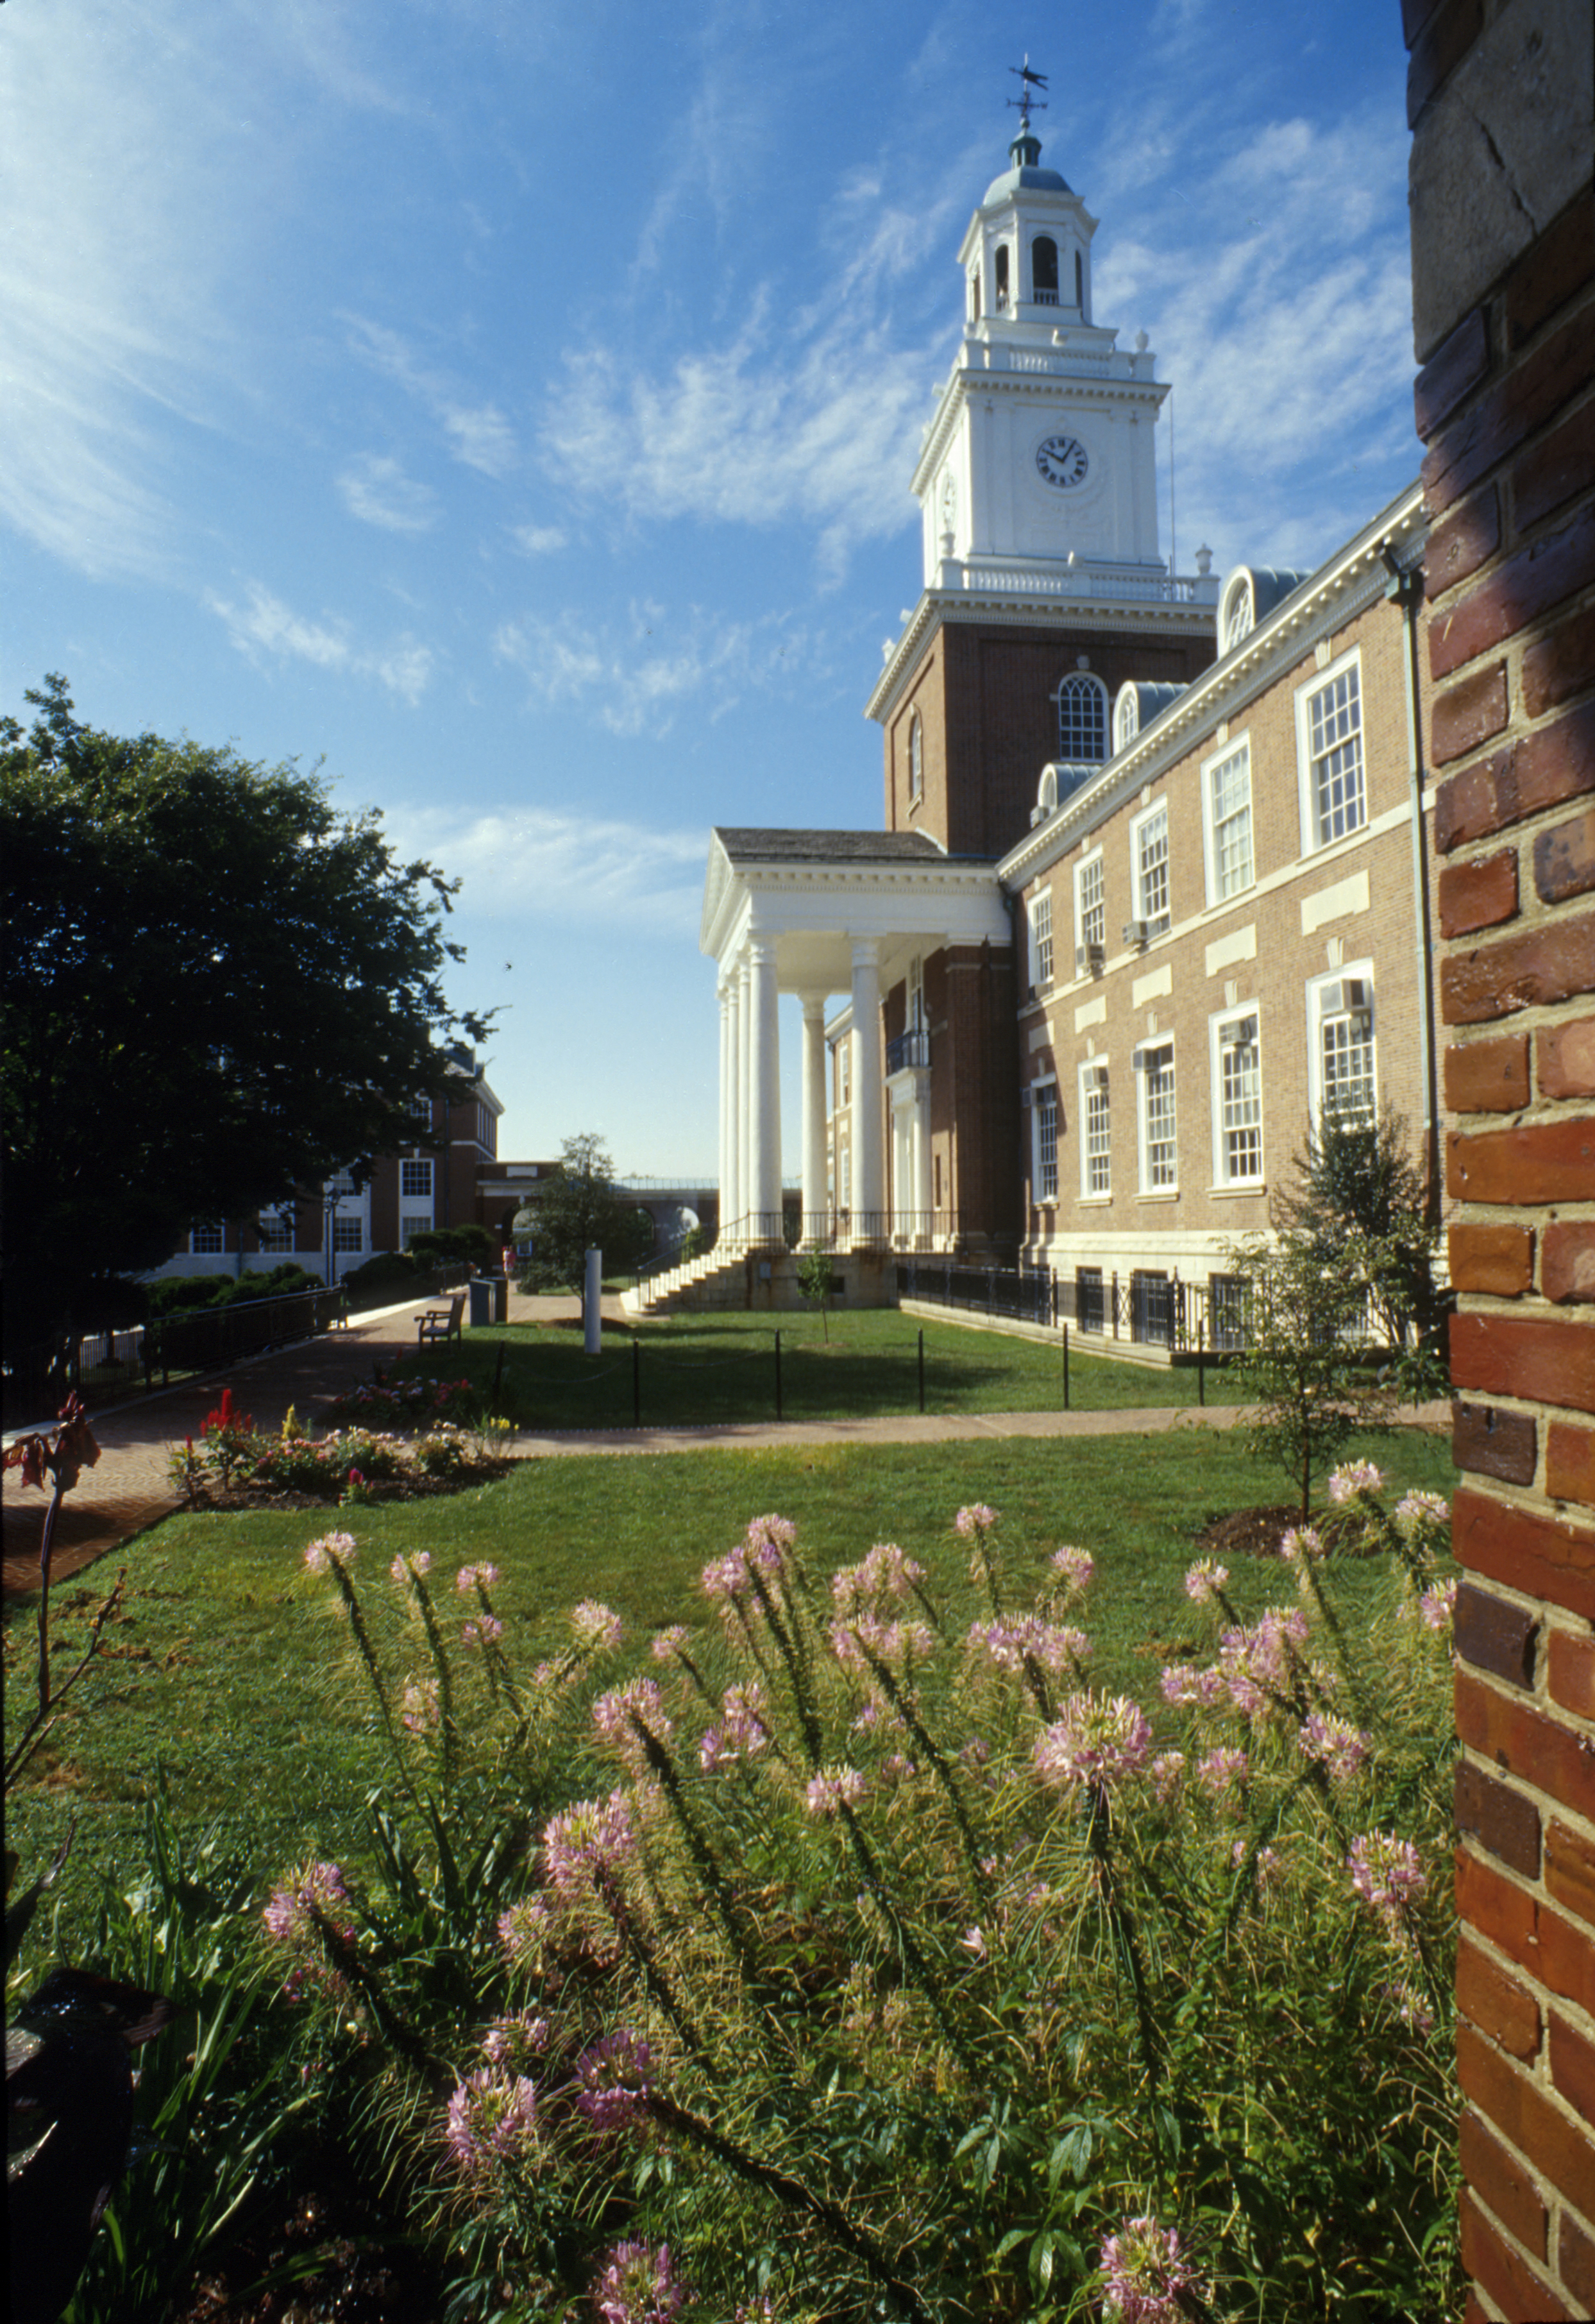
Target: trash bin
500	1298
481	1301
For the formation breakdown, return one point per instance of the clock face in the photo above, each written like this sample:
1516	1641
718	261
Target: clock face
1061	460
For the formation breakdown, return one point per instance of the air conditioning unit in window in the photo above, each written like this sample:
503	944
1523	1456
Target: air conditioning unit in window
1027	1097
1240	1033
1352	997
1088	958
1136	932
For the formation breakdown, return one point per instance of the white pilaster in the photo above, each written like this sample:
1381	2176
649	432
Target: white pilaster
814	1114
744	1079
728	1103
869	1177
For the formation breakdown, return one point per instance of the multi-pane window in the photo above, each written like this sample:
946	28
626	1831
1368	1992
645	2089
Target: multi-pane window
1127	717
1237	623
1151	870
1082	720
1159	1148
1041	941
277	1231
409	1228
1099	1125
415	1180
207	1238
1347	1091
1045	1109
915	757
1239	1102
1333	734
348	1234
342	1182
1092	914
1228	794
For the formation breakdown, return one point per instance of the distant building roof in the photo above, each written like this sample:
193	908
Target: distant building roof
749	847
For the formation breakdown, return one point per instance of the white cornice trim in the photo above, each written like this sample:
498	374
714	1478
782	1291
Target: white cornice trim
1352	580
968	379
1154	616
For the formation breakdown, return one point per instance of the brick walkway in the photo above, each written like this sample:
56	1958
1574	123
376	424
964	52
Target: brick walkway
129	1489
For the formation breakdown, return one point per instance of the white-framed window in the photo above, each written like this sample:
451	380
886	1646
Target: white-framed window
916	1008
342	1182
410	1227
1043	1114
1127	716
415	1182
1226	807
207	1239
1041	940
1091	918
276	1230
1329	753
348	1234
1237	1098
1083	719
915	757
1159	1126
1239	614
1149	868
1096	1118
1340	1036
844	1070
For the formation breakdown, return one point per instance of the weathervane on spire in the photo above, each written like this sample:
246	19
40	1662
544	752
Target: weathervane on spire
1025	101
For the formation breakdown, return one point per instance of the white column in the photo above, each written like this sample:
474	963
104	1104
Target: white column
744	1084
764	1171
814	1114
922	1152
869	1181
727	1103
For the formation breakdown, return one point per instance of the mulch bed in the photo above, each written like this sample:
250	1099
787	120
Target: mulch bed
1258	1532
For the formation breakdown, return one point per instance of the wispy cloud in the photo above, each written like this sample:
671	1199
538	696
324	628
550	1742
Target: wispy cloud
378	492
517	862
538	539
265	629
479	434
636	682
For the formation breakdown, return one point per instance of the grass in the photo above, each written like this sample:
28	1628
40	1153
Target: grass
227	1670
694	1370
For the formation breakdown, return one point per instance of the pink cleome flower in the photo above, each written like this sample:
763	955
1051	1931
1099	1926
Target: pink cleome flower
1144	2273
833	1789
975	1521
1388	1873
618	1714
614	2079
1073	1567
1222	1774
596	1625
886	1573
471	1578
1340	1748
637	2285
1006	1645
402	1568
592	1841
742	1732
1356	1477
331	1549
1204	1580
1437	1606
1099	1740
290	1915
492	2118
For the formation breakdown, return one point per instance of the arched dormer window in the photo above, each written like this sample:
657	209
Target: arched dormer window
1239	614
1002	278
1083	719
915	759
1127	717
1044	271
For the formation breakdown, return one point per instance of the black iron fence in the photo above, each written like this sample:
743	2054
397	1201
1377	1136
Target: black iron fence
1139	1307
1029	1295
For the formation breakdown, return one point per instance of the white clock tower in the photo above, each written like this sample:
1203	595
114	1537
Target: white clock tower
1040	457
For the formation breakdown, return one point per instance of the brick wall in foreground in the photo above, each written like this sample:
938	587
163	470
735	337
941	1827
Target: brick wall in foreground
1504	304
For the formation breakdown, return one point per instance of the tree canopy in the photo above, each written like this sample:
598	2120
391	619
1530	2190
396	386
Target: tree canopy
217	989
578	1210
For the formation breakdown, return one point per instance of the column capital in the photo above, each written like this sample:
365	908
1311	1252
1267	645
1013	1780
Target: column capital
813	1005
866	951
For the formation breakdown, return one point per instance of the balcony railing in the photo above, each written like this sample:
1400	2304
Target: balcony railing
907	1050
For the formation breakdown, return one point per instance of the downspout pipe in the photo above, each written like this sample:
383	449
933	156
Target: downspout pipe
1406	589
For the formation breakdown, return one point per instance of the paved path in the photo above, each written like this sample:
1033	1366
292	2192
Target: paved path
130	1488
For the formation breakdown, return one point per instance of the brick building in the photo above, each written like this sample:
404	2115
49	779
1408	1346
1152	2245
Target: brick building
1504	323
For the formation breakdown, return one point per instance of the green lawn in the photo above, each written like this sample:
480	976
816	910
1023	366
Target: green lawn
694	1370
230	1672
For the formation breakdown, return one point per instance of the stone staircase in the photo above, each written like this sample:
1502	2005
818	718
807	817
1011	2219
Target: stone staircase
711	1280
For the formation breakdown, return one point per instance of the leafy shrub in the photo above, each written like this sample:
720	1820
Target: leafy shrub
387	1270
889	1969
470	1242
171	1294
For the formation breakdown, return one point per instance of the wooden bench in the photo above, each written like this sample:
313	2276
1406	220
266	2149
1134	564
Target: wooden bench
443	1322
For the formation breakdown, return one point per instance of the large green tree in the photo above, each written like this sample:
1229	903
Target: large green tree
216	989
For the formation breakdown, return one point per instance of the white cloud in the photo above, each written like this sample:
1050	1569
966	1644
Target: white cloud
264	628
477	434
517	861
635	683
378	492
538	539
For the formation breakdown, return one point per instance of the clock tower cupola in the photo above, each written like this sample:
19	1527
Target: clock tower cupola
1042	448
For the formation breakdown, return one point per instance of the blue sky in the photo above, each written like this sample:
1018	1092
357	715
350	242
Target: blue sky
511	405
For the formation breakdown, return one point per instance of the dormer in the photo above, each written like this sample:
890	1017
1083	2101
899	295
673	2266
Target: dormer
1135	705
1250	593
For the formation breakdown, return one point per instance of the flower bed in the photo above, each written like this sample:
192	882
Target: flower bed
232	1464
